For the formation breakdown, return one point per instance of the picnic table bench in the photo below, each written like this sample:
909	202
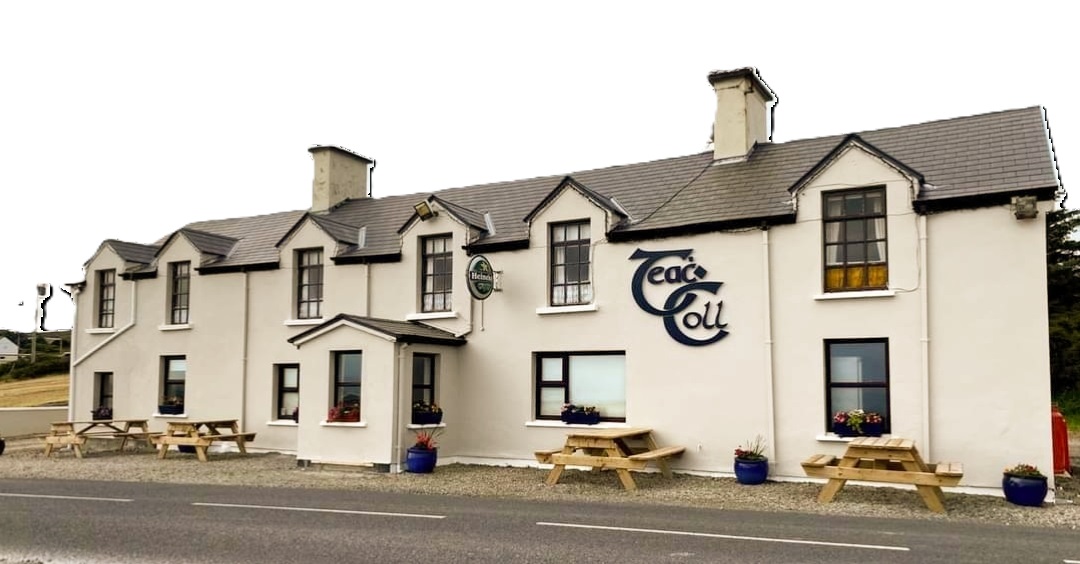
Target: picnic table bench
201	435
609	448
890	460
76	433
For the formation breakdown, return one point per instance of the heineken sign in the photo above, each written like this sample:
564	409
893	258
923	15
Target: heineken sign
479	277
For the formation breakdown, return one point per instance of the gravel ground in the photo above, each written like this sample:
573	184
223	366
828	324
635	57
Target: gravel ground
24	459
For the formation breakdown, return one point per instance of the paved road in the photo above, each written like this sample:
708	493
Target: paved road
74	521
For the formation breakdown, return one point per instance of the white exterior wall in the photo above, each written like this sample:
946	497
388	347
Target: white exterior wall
978	354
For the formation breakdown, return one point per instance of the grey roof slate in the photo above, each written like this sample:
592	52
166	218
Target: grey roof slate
996	153
210	243
133	252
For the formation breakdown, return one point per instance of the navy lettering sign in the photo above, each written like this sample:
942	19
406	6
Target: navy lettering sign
690	326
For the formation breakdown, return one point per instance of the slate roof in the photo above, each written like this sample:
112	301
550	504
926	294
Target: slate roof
962	161
401	331
133	252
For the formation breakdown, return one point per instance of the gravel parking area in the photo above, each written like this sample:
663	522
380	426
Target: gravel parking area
24	459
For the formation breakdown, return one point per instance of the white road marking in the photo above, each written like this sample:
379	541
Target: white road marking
732	537
317	510
1071	561
43	496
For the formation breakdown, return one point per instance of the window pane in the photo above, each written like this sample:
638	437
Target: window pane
551	401
832	232
875	202
177	368
289	402
290	377
856	252
599	380
854	231
551	369
875	252
572	232
833	207
857	362
867	399
853	205
349	367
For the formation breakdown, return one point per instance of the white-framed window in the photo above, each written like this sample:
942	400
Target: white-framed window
594	379
570	276
345	387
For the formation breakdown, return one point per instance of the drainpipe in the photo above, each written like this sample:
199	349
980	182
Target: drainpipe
396	411
244	351
924	338
75	291
766	308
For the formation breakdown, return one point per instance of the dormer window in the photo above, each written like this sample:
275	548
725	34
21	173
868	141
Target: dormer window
106	297
855	251
570	282
309	283
436	277
179	292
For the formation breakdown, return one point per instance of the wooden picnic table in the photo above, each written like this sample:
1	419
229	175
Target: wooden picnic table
892	460
621	449
76	433
202	434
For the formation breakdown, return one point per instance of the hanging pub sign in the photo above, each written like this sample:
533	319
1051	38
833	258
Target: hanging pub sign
688	322
480	277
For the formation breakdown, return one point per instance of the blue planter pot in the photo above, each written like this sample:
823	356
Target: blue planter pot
1024	490
751	472
421	461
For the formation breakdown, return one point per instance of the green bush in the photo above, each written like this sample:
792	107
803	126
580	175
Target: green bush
48	364
1069	404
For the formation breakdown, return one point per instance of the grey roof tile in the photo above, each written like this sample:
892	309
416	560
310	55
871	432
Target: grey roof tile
993	153
402	331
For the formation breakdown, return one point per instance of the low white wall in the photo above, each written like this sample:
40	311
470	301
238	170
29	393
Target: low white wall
18	421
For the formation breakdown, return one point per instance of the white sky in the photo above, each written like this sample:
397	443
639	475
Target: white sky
128	120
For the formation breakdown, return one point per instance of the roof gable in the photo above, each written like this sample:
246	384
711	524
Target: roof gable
854	142
568	183
390	330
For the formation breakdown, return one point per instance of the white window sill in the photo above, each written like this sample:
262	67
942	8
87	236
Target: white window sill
179	327
552	424
334	424
101	331
303	322
282	423
414	426
170	416
431	315
855	295
550	310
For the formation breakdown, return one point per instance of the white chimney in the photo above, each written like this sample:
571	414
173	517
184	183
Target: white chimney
339	174
743	104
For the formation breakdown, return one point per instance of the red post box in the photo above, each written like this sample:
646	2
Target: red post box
1061	440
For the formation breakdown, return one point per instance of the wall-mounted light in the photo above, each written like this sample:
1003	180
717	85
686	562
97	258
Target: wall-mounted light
424	211
1024	207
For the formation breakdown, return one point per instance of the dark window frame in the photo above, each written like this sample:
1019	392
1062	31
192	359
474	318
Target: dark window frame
424	391
106	298
104	388
564	383
169	386
179	292
340	387
581	247
829	385
865	267
309	283
282	389
433	282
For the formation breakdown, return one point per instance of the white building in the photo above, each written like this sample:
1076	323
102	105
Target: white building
9	351
753	289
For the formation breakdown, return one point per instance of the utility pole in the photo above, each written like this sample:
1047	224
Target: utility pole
43	293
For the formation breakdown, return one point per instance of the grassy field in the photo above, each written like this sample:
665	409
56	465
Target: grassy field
44	391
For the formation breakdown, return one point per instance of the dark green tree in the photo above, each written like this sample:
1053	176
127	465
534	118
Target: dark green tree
1063	297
